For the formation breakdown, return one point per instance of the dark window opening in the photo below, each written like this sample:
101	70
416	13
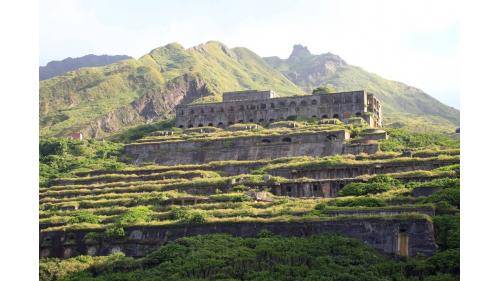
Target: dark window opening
331	137
220	124
314	102
251	120
231	108
272	105
358	114
282	103
200	125
242	107
314	116
271	120
315	187
211	109
335	116
210	125
263	106
240	121
181	126
261	120
293	104
182	112
202	111
231	123
222	109
266	141
288	189
191	111
286	139
190	126
324	116
303	103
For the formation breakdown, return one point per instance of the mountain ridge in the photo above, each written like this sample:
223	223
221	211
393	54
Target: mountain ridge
101	101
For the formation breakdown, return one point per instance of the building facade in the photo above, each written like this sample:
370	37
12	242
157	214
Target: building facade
263	107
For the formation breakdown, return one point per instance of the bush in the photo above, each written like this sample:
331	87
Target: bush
177	213
195	217
84	217
449	195
358	188
138	214
114	231
359	202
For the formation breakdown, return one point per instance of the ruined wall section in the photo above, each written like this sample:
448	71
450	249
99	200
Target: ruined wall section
243	148
264	111
382	234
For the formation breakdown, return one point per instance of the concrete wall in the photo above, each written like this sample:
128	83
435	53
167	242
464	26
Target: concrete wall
248	148
265	111
382	234
350	171
247	95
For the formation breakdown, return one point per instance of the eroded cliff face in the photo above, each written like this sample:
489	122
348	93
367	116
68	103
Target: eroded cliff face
150	107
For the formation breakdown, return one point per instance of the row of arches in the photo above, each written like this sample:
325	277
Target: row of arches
203	110
271	120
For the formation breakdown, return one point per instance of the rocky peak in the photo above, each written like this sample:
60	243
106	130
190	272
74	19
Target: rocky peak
299	51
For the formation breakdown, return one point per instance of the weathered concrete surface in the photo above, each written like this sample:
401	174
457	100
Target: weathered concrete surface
244	148
382	234
349	171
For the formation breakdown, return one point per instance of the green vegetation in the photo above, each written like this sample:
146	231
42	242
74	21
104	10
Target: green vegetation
400	139
63	157
377	184
269	257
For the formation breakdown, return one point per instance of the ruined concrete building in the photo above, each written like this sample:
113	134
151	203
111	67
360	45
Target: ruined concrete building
264	107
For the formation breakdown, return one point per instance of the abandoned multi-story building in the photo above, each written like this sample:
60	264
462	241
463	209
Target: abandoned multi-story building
264	107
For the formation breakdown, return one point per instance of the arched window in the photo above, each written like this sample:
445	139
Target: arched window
358	114
200	125
266	140
261	120
220	124
210	125
181	126
293	104
190	126
272	105
335	116
324	116
314	102
287	139
263	106
271	120
303	103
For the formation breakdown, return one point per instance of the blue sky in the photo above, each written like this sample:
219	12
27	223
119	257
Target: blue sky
415	42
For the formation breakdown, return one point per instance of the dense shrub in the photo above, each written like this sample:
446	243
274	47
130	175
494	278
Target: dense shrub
84	217
269	257
400	139
449	195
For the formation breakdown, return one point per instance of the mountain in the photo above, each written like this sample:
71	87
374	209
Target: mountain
403	105
55	68
102	100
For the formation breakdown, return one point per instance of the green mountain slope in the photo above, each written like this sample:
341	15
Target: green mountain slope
103	100
403	106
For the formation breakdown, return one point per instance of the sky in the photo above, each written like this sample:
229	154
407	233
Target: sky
415	42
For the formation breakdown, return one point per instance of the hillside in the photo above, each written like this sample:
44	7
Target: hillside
403	105
56	68
103	100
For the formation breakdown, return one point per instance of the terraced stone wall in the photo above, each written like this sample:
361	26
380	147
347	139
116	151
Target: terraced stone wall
382	234
245	148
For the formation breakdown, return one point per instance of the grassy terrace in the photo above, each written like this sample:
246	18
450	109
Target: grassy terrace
230	134
104	210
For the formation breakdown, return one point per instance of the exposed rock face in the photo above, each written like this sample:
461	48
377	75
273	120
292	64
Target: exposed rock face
382	234
56	68
152	106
